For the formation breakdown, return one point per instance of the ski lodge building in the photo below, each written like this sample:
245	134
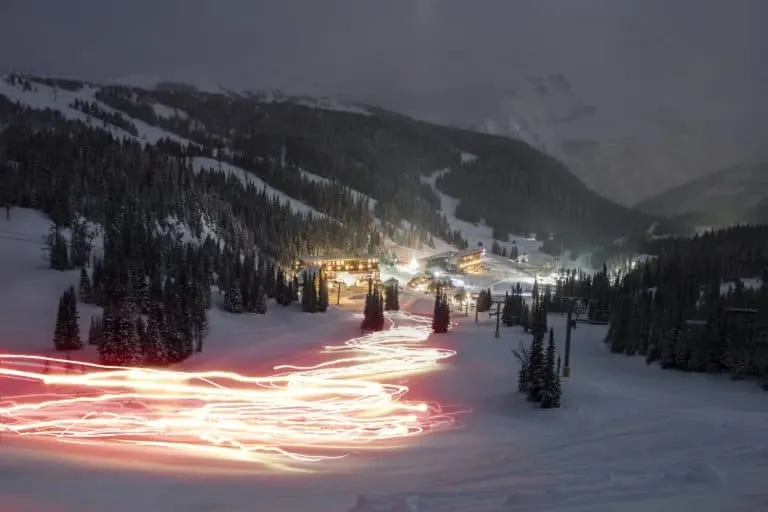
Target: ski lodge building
468	261
353	270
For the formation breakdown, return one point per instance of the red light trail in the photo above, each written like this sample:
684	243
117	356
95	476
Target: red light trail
297	415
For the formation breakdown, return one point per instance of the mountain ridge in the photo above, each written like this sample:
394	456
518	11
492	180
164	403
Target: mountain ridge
380	154
736	194
626	153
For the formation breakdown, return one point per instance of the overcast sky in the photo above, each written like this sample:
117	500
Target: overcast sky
441	58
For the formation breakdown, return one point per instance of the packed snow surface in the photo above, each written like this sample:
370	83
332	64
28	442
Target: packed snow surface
629	437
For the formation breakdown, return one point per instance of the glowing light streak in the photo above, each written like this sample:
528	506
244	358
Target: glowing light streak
299	414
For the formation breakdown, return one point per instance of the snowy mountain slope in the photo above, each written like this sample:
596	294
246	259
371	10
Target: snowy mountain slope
625	153
45	97
350	149
481	233
741	186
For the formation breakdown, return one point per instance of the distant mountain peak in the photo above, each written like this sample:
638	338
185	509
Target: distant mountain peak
531	109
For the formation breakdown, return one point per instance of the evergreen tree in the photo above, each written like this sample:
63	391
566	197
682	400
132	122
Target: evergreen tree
233	299
85	289
391	300
551	391
522	356
373	310
67	331
437	312
441	318
94	331
60	330
322	298
526	318
445	316
58	253
73	317
261	303
156	351
120	345
308	292
556	393
139	291
535	369
379	311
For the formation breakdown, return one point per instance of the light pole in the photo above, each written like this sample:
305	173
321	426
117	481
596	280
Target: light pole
338	292
496	334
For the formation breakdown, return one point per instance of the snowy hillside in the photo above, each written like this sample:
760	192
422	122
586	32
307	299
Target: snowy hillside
629	437
628	154
532	110
155	114
729	191
414	422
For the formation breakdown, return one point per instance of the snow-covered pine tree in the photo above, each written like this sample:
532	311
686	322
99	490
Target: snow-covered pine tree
119	346
312	292
548	400
66	335
157	351
73	325
437	312
379	317
58	253
536	367
80	245
445	314
506	312
556	395
141	335
526	318
308	295
391	300
94	331
261	302
322	295
60	329
199	315
126	329
522	356
233	298
110	348
139	291
85	289
388	297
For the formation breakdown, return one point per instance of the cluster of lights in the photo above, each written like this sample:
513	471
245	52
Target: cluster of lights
297	415
470	261
353	264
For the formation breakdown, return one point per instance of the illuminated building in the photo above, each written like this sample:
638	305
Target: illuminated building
470	261
352	270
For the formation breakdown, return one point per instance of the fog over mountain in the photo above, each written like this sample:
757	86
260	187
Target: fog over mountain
671	90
